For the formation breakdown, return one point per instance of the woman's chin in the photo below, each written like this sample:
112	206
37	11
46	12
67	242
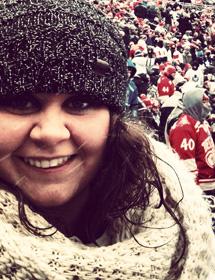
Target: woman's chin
50	201
59	199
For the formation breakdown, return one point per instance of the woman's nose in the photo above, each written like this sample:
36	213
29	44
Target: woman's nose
50	130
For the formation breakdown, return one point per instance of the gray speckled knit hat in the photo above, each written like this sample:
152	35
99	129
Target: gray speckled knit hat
61	46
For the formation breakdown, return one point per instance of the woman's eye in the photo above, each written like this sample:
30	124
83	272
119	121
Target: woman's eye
19	105
77	106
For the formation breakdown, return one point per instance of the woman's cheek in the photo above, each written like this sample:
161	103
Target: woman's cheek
13	133
91	137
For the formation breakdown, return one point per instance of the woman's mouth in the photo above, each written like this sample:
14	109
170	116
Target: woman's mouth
47	163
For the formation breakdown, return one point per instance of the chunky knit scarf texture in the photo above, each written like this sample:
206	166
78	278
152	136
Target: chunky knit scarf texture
119	256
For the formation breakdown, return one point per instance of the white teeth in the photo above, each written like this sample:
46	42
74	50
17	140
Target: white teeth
37	163
46	163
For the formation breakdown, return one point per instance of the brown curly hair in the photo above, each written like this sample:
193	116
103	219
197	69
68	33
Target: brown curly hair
124	182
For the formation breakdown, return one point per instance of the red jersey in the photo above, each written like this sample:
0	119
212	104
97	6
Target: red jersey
193	142
165	86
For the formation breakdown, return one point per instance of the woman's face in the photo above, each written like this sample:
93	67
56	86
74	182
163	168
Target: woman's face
51	145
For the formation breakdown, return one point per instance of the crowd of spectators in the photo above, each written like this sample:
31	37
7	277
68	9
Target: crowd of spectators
171	44
171	66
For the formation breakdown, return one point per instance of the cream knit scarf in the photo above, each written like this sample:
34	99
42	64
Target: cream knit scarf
25	256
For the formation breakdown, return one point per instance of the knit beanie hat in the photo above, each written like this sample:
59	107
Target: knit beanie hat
61	46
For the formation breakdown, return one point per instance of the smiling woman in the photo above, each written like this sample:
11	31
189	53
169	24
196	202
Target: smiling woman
57	145
74	173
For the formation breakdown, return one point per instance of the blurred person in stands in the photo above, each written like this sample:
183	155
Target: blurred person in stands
160	51
167	107
165	85
195	74
132	101
139	61
191	139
